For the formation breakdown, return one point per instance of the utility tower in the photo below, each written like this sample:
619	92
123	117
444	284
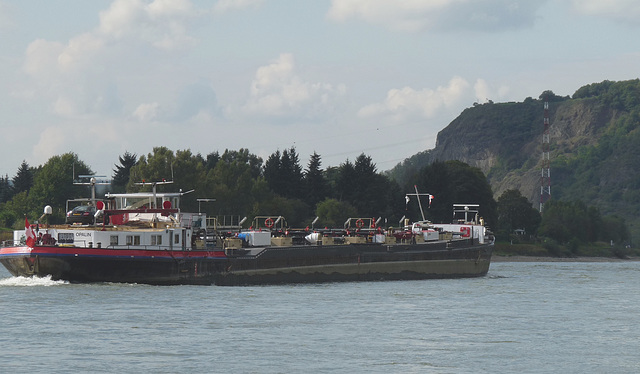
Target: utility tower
545	179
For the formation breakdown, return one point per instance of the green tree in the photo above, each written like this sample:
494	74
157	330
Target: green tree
15	210
333	213
345	184
377	195
315	183
576	222
154	167
5	189
212	160
234	184
53	185
23	180
271	172
243	156
186	170
121	172
189	173
516	212
454	182
283	173
614	228
292	174
295	212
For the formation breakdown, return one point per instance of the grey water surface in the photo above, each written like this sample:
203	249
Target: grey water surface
523	317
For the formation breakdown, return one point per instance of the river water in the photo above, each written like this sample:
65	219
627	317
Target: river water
524	317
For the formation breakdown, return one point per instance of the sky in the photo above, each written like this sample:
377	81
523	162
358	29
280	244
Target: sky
337	77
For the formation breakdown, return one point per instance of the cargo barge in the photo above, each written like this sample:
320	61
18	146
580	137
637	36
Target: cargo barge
146	238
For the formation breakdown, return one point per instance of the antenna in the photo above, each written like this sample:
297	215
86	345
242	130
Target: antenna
153	188
417	194
92	182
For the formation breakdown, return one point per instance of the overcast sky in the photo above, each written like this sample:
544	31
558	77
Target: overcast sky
339	77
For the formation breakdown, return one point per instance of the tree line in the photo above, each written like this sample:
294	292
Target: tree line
243	184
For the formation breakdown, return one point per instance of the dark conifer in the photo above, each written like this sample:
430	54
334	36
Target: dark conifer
315	183
122	172
23	179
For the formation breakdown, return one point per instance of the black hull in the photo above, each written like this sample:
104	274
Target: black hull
359	263
94	270
274	265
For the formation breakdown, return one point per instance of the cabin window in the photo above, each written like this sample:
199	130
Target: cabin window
133	239
176	239
156	239
113	240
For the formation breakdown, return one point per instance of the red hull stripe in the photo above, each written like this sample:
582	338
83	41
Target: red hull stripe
73	251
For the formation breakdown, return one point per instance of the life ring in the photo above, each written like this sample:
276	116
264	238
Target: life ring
268	222
466	231
359	223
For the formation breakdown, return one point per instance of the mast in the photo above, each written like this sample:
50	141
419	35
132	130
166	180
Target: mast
417	194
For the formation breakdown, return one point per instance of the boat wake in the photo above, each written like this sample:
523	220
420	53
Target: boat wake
30	282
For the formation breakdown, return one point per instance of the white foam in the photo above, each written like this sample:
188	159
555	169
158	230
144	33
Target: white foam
30	281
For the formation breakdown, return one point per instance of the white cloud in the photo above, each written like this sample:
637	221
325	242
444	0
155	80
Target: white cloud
52	141
80	52
223	6
407	103
618	10
42	57
83	75
416	15
146	112
161	23
484	92
277	91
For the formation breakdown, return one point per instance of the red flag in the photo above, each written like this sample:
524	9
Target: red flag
31	236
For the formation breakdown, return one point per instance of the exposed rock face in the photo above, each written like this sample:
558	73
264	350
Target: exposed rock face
578	123
505	140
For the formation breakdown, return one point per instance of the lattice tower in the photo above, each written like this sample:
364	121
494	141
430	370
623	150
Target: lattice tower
545	179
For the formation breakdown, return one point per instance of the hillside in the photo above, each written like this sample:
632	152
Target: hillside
595	147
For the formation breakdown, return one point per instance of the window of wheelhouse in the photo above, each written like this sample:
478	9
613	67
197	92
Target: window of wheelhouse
133	239
156	239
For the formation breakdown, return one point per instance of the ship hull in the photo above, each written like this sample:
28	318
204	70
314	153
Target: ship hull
272	265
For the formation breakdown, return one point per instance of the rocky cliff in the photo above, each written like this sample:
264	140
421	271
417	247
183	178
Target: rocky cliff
594	144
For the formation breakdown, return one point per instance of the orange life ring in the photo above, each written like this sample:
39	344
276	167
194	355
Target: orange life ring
359	223
268	222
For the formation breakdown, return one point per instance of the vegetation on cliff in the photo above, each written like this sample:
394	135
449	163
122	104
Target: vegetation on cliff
595	148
